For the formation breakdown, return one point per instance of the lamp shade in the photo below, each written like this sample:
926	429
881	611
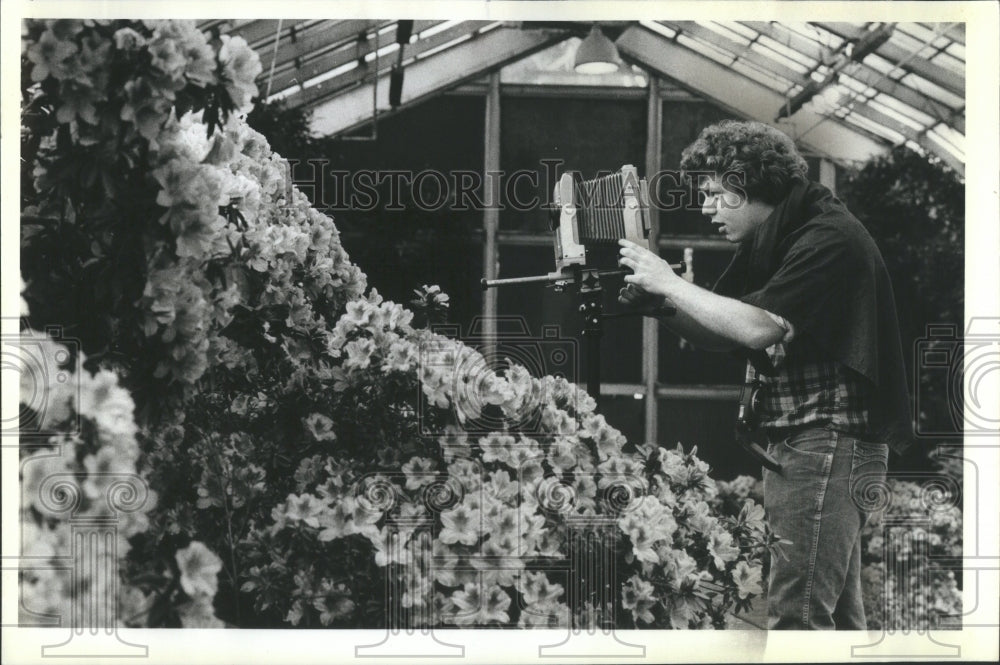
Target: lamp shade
597	54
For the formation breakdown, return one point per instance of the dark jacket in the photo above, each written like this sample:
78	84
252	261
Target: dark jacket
813	263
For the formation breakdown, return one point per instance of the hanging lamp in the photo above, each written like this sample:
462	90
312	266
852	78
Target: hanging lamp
597	54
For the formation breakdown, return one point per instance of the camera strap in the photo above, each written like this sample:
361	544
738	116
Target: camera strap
757	451
746	426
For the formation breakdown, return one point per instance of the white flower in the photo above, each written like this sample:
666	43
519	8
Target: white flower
537	589
47	383
500	486
523	392
747	579
401	357
720	546
54	466
466	472
320	427
52	56
109	405
419	472
199	613
335	523
502	521
104	469
199	568
241	65
680	567
557	421
523	451
359	353
475	606
460	525
496	447
608	440
637	596
562	455
752	516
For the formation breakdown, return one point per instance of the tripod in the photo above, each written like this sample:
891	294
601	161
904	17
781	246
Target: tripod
586	283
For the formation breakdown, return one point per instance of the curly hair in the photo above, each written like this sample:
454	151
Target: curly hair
766	157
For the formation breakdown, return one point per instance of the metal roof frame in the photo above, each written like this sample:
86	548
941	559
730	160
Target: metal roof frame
706	77
905	90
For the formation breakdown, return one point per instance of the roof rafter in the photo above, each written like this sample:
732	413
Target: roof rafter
738	51
826	136
865	74
862	107
260	32
310	63
445	69
326	36
350	79
956	33
917	136
910	62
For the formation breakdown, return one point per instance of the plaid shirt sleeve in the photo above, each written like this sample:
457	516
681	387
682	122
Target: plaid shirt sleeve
805	389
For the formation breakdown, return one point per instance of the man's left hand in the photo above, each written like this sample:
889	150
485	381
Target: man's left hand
649	272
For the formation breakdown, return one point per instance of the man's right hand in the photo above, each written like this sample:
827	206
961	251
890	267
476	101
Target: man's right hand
637	299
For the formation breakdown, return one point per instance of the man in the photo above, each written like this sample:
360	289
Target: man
807	300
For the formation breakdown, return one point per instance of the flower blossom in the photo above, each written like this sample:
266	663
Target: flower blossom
241	66
359	353
476	606
720	546
460	525
199	567
320	427
537	589
638	597
747	579
52	56
419	472
496	447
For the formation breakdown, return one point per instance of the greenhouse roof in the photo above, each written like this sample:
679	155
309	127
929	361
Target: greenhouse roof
844	90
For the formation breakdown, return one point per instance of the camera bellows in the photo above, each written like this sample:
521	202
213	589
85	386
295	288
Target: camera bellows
601	208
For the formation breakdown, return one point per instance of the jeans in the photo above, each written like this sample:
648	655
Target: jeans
819	501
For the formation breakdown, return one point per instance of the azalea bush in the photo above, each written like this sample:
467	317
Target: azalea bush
78	480
923	519
921	530
112	264
311	444
120	228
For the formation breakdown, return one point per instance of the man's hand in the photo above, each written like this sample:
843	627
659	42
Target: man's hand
637	300
650	273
